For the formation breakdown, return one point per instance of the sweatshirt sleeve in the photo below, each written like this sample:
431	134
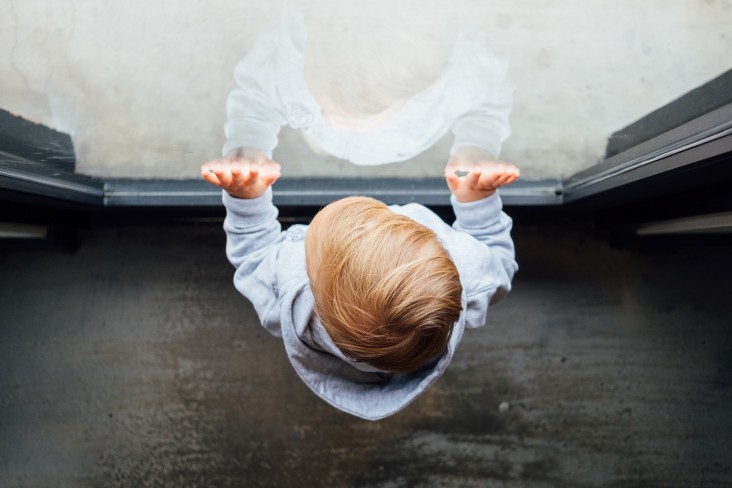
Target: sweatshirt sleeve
489	272
254	111
486	125
253	238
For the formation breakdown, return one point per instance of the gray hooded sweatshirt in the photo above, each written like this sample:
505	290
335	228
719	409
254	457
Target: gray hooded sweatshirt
271	273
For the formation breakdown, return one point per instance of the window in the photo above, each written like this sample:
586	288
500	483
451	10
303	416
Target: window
143	100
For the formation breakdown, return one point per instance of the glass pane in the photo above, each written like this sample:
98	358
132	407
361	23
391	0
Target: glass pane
142	86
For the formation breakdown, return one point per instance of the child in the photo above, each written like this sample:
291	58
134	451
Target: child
370	301
371	85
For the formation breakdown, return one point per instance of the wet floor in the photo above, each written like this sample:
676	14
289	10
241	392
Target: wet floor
133	362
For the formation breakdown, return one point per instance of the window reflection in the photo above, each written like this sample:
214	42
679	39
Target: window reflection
142	88
371	86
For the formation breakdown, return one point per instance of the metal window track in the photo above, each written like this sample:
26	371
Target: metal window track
700	139
318	191
22	175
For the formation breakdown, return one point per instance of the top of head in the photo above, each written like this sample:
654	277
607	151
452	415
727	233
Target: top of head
385	289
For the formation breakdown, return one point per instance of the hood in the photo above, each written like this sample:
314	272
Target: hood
353	387
350	386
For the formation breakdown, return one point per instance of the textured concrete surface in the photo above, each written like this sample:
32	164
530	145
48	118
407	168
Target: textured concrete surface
135	363
141	86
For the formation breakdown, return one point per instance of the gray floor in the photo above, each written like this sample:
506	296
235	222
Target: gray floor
135	363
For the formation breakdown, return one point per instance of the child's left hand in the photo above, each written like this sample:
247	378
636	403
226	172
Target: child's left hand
241	178
485	174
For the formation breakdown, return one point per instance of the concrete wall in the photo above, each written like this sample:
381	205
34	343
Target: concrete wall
141	86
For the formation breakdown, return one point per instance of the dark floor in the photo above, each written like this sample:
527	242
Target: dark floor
135	363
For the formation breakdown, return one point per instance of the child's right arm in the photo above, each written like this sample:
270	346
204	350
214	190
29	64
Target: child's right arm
252	230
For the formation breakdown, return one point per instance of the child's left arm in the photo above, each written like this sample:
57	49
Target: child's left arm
478	209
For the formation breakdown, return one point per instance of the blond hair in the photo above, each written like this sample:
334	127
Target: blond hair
385	289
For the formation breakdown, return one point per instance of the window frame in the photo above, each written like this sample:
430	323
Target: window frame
692	133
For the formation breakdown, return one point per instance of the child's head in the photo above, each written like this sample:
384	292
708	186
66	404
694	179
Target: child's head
385	289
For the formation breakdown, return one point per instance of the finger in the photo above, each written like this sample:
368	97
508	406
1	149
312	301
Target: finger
453	182
505	179
487	181
210	177
237	176
501	180
212	166
515	173
473	178
248	175
511	179
490	181
512	170
223	174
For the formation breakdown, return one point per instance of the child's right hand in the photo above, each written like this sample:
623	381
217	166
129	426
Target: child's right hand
247	175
